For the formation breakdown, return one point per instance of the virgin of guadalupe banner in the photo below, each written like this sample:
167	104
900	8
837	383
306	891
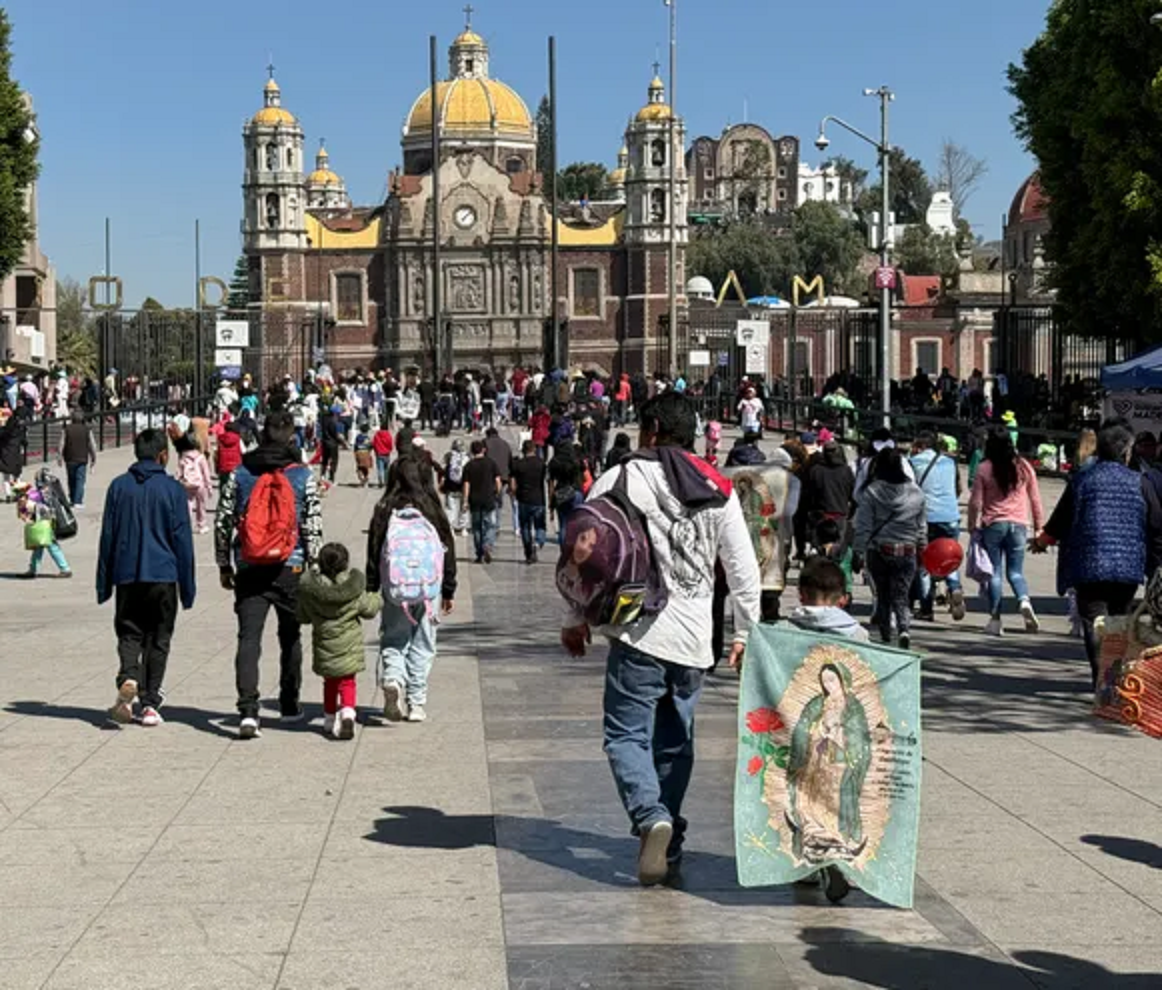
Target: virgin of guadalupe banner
828	762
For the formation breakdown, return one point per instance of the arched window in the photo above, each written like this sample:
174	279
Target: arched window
290	159
272	158
257	158
514	165
272	211
658	153
658	206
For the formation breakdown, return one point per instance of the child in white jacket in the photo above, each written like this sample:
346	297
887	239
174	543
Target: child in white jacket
194	475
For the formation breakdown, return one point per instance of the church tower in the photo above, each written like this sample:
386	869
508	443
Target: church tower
326	191
647	181
272	185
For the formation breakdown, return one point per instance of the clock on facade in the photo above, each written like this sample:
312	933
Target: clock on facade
464	217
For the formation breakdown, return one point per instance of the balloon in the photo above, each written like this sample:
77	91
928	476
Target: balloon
941	557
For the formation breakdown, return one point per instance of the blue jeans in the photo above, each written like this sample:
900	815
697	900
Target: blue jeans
407	647
927	589
54	551
382	461
1006	540
483	530
649	735
532	525
77	473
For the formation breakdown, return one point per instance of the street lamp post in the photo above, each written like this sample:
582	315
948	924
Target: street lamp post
884	148
674	152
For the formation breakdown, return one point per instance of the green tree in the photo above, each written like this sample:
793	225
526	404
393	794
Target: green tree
76	337
545	142
762	259
827	243
920	251
581	180
910	190
849	174
19	145
1089	109
238	298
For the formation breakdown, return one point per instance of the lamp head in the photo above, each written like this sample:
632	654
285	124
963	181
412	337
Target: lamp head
822	142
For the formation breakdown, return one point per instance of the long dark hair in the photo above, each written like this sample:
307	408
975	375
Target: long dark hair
999	452
411	485
888	466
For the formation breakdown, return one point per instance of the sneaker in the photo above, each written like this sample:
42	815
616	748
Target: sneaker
533	556
1076	629
329	720
993	627
905	641
347	723
122	710
926	615
488	555
956	605
151	717
651	857
1032	623
395	706
78	507
835	885
65	574
248	728
416	713
289	714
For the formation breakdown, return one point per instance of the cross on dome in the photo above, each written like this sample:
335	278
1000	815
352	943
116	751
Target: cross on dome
469	10
270	68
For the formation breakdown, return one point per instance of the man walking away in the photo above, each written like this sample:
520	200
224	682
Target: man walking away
528	494
146	559
267	530
656	664
938	476
501	453
78	455
481	494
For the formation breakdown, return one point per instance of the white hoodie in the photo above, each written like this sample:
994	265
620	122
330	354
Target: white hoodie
686	545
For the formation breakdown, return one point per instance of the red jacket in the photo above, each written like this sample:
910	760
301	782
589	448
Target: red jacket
382	443
229	452
539	425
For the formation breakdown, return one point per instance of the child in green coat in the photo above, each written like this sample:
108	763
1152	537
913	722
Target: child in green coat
335	602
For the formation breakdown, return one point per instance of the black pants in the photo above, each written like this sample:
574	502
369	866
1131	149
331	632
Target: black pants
144	620
768	604
330	461
893	583
426	419
256	591
1096	599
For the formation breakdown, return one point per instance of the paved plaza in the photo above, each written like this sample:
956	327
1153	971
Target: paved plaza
487	848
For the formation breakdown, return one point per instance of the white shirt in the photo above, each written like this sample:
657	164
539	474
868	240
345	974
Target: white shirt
751	411
686	545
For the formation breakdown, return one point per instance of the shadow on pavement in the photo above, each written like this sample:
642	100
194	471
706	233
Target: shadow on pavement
1135	850
195	718
839	952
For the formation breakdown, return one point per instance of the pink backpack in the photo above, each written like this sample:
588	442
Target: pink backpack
411	565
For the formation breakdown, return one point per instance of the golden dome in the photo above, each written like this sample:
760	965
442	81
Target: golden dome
657	108
617	177
472	105
271	86
272	116
323	177
468	37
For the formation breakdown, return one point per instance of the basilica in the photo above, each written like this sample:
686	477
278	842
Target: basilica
356	282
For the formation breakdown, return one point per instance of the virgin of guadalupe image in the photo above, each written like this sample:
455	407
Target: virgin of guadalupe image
831	749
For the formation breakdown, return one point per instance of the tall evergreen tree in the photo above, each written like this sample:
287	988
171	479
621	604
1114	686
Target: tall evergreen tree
18	168
238	298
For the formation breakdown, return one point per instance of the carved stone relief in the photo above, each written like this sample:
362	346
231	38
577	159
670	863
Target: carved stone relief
467	288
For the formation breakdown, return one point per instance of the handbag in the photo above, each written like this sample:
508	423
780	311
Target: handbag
38	535
978	566
1129	675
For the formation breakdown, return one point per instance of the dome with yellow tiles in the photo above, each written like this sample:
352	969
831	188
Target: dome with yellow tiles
657	108
468	37
472	105
272	114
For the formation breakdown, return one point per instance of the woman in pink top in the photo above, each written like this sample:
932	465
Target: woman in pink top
1003	494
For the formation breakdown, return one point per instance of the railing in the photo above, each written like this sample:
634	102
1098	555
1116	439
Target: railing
112	428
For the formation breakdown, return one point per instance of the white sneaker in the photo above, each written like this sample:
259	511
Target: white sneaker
395	706
993	627
329	720
416	713
248	728
346	728
1032	623
151	717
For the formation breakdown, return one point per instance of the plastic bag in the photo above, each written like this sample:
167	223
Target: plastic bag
977	564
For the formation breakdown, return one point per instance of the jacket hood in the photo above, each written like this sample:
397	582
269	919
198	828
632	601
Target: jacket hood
142	471
268	457
345	588
903	499
833	455
825	619
691	480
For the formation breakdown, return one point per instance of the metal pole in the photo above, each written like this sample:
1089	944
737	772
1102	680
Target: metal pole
673	349
199	352
885	261
443	347
554	354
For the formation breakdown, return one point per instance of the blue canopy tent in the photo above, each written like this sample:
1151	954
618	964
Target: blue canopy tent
1141	371
768	302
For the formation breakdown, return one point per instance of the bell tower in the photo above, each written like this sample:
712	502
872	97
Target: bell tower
647	176
273	188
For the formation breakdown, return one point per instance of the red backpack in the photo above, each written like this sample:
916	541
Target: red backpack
269	531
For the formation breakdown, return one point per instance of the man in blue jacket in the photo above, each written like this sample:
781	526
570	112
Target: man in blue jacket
938	476
146	558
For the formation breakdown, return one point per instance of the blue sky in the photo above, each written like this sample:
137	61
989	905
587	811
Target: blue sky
141	102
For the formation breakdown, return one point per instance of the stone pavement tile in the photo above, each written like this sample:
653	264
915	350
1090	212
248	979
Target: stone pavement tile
1086	966
366	795
30	971
409	926
380	966
31	929
193	970
1048	869
275	805
65	882
829	965
648	967
77	845
112	804
667	916
238	926
269	881
981	826
526	750
1060	916
227	841
546	727
395	871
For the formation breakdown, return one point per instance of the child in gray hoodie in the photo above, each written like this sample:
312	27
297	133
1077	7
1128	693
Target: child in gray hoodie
822	589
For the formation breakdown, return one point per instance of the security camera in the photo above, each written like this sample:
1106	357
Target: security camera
821	142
